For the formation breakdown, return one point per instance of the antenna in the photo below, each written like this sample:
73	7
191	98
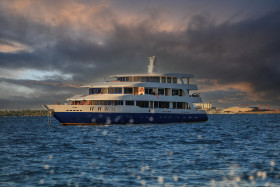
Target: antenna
152	66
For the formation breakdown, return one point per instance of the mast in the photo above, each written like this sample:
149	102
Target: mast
152	65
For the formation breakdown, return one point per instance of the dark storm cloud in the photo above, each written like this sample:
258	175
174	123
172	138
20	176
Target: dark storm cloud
18	28
58	82
247	51
7	43
38	93
229	52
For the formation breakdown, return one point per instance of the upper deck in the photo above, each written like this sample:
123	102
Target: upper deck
177	75
174	78
150	77
171	79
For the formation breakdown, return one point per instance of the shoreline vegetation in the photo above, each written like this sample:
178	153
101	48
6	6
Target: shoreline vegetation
23	113
45	112
220	111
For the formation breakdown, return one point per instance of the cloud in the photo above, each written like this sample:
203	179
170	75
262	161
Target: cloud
90	40
12	47
32	94
242	52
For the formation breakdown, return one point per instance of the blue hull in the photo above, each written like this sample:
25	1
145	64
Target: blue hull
81	118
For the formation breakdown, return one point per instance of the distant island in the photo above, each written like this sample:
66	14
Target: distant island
23	113
235	110
240	109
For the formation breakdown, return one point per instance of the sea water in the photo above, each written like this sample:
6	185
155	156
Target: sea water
228	150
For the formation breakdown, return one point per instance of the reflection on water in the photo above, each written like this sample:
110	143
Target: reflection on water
236	150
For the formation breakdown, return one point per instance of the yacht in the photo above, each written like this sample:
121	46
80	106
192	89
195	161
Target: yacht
133	99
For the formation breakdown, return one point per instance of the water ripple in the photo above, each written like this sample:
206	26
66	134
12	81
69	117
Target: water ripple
233	150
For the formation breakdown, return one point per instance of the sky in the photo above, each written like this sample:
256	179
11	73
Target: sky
49	48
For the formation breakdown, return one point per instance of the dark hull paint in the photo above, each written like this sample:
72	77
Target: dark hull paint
90	118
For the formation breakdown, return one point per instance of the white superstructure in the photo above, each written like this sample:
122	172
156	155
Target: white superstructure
132	98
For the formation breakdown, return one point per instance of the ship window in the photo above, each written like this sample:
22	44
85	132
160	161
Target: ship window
107	102
157	79
97	90
152	79
168	79
181	105
118	90
146	79
175	92
128	91
180	92
142	79
114	90
175	80
149	91
142	104
123	79
178	105
146	90
161	91
163	79
163	104
129	102
118	102
156	104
